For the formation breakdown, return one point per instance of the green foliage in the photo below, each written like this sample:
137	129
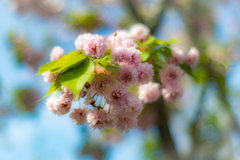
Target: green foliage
152	146
112	67
201	74
54	87
46	67
75	78
187	69
166	51
68	61
88	20
64	63
153	42
145	55
149	51
103	61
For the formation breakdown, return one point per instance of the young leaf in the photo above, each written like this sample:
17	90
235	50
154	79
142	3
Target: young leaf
164	51
46	67
140	44
102	61
161	42
150	40
187	69
54	87
67	61
111	68
145	55
75	78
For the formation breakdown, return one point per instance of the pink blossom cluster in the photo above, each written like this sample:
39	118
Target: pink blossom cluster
121	108
149	93
170	77
125	38
191	58
93	45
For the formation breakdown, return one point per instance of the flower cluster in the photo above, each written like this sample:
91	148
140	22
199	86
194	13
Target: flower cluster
121	106
171	75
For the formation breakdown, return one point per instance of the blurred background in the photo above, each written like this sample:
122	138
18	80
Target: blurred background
205	124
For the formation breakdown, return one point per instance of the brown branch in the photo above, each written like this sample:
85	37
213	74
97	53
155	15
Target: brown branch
156	20
195	125
162	124
130	6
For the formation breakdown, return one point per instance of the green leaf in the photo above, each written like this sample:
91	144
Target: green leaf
75	78
145	55
201	75
102	61
68	61
46	67
54	87
56	92
166	51
150	40
140	44
111	68
187	69
169	42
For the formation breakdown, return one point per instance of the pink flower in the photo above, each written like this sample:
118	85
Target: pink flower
132	108
122	38
96	118
128	43
135	56
93	45
170	74
79	115
80	41
121	54
192	57
56	53
48	77
139	31
110	120
145	72
62	105
100	82
67	93
116	95
172	93
149	93
50	103
126	55
91	90
127	75
125	123
178	54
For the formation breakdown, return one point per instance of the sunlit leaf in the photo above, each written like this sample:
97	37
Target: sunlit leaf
166	51
46	67
187	69
102	61
145	55
75	78
201	75
111	68
54	87
67	61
